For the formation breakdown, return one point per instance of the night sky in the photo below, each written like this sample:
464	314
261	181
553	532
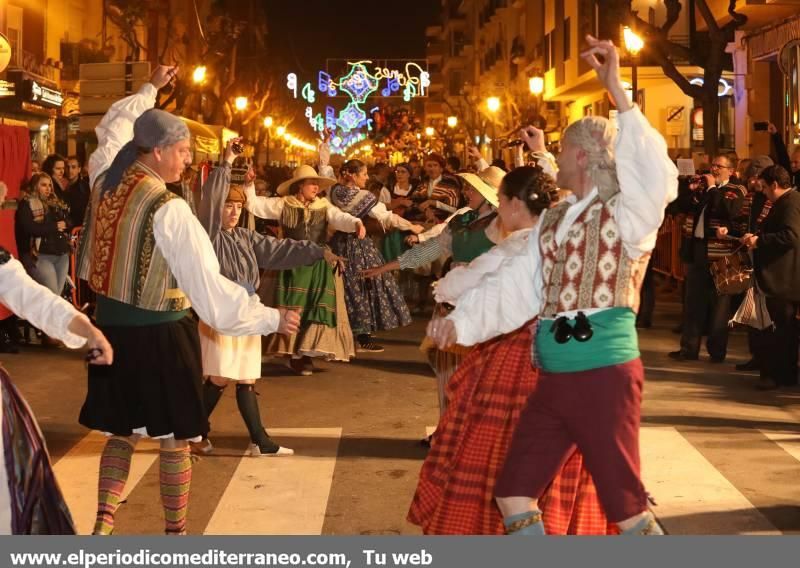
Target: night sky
303	33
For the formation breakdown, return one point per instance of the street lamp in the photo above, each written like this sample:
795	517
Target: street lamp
536	85
240	103
429	131
633	45
493	104
281	130
199	74
452	121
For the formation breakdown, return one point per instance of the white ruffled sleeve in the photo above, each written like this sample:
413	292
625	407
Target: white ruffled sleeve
341	221
37	304
221	303
503	300
388	219
263	207
648	181
462	278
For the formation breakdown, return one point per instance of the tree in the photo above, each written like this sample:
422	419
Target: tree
711	54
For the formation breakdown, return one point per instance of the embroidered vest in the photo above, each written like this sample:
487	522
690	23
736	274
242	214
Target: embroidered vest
118	254
305	223
591	268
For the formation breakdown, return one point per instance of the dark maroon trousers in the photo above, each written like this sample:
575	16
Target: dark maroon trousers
598	411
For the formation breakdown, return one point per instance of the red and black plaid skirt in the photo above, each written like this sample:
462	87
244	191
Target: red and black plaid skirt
455	493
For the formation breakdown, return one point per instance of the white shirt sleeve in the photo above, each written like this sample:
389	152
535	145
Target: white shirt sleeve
503	300
462	278
385	197
481	164
221	303
37	304
263	207
388	219
325	169
341	221
437	229
648	181
116	128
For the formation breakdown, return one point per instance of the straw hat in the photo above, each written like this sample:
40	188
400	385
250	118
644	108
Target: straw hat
302	173
487	183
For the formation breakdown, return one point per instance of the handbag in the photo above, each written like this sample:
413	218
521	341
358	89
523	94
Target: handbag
733	273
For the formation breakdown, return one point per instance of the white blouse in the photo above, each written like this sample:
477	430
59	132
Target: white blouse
272	208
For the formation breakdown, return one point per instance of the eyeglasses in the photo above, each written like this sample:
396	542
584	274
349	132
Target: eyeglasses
581	330
721	166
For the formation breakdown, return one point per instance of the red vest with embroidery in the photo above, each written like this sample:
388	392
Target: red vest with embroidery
591	268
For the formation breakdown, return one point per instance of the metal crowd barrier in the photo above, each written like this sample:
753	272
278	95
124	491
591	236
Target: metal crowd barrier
666	256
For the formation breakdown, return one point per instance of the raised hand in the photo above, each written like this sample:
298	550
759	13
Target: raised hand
230	153
607	70
533	138
163	75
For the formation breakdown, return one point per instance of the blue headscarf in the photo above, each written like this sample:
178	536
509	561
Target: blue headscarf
153	128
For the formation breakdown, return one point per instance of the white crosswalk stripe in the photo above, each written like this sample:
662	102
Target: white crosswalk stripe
289	496
281	495
688	488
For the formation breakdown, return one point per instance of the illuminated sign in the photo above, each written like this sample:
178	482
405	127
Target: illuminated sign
350	117
358	83
7	89
724	89
43	96
308	93
5	53
291	83
325	84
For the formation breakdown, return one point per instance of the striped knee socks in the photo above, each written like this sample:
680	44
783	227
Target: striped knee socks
115	463
176	477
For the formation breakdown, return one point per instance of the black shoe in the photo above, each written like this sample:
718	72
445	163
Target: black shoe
682	356
367	345
718	360
751	365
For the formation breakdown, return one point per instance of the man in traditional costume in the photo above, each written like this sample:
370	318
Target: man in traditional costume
147	257
585	269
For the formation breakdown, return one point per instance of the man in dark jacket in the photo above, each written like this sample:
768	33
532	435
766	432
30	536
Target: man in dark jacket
776	259
714	200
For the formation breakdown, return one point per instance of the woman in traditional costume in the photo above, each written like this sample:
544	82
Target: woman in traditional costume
375	305
30	498
241	252
455	493
470	232
316	291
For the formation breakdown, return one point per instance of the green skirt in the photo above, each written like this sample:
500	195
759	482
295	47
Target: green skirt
394	244
311	290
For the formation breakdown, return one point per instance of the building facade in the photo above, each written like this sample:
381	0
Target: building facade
492	48
49	41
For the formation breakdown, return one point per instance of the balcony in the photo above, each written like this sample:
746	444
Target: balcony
31	64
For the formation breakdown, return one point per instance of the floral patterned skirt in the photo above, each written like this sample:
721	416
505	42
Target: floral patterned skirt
373	304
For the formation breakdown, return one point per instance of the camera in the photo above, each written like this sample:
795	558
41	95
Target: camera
698	183
238	147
